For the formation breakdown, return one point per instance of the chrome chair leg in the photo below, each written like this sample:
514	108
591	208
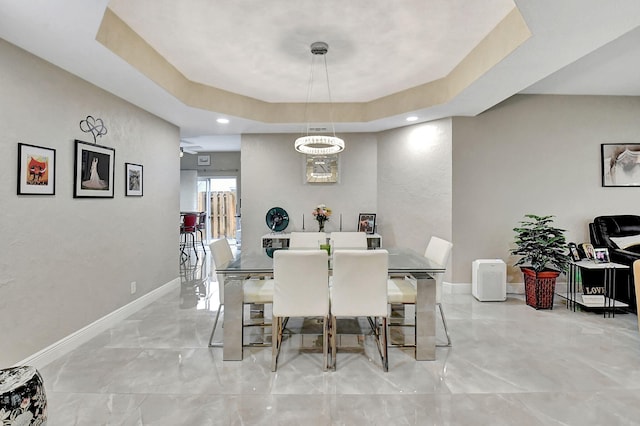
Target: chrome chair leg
403	325
193	244
332	343
380	334
383	343
215	323
446	329
276	341
202	240
325	343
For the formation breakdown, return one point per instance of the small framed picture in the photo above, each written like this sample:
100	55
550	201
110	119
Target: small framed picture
573	252
133	180
36	170
588	251
204	160
601	255
367	223
94	171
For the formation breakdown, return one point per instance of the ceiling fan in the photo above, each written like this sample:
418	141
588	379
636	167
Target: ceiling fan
188	147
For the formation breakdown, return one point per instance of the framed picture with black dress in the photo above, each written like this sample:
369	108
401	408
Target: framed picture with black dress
93	171
573	251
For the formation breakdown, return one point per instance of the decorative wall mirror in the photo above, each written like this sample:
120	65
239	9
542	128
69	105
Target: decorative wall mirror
322	168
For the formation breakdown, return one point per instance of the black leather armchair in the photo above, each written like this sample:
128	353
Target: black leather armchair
602	230
606	227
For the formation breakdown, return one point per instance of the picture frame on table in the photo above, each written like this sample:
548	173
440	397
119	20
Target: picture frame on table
588	251
133	180
36	170
573	252
620	164
93	171
601	255
367	223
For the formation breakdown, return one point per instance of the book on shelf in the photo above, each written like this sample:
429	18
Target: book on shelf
593	299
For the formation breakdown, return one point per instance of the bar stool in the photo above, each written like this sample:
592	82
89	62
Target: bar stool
201	226
188	230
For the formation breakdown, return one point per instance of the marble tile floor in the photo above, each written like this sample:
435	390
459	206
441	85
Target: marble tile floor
509	365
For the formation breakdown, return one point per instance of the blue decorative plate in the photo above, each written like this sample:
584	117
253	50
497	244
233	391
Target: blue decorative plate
277	219
271	250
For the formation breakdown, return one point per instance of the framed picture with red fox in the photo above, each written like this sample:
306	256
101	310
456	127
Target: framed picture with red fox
36	170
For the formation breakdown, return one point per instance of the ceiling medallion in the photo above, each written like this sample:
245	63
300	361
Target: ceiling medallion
319	144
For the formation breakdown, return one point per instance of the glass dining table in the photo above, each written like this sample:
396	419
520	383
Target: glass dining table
401	262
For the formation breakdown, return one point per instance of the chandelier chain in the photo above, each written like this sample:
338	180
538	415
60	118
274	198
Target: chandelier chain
318	144
309	91
326	71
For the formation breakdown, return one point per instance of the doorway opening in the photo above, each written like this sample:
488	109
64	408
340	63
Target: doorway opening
218	197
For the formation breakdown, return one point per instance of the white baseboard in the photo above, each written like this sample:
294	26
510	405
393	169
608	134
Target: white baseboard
456	288
72	341
465	288
515	288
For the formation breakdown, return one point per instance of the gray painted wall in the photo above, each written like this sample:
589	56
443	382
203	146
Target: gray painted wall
188	190
273	175
414	185
540	155
67	262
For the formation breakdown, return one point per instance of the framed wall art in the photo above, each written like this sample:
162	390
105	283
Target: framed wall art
367	223
204	160
321	168
36	170
93	171
133	180
620	164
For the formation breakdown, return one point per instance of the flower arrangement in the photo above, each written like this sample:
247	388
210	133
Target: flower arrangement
321	213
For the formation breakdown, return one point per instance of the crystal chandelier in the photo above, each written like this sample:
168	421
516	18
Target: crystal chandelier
319	144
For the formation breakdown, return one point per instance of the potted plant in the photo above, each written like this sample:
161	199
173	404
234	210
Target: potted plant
543	251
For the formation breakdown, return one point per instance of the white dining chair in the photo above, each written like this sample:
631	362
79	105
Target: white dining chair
348	240
294	297
255	291
359	289
403	290
307	240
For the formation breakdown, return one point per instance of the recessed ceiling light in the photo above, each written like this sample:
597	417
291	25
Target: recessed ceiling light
222	120
412	118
